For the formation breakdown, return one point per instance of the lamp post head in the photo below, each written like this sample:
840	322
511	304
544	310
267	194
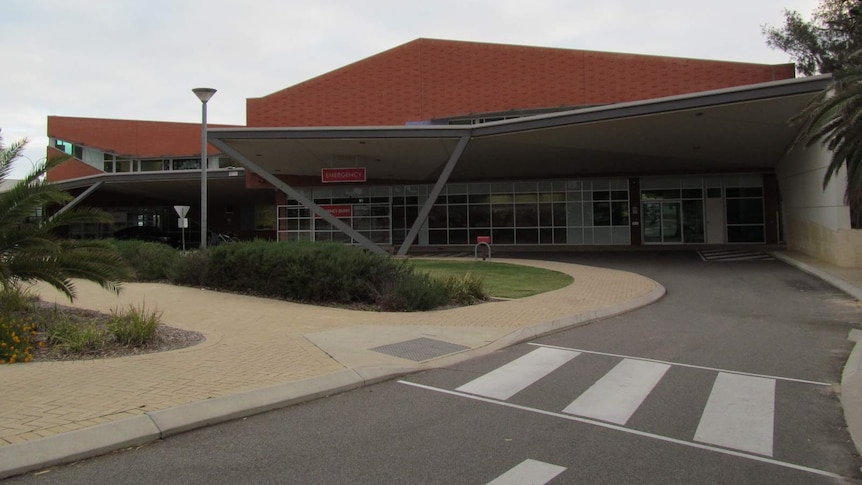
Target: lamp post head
204	94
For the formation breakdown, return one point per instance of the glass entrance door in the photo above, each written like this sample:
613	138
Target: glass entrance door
662	222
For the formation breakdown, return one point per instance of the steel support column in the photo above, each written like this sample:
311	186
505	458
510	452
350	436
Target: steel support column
435	192
305	201
77	200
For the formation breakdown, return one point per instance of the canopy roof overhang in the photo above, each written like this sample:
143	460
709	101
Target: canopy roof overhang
741	129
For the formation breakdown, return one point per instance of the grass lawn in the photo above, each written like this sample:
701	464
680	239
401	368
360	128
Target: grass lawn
501	280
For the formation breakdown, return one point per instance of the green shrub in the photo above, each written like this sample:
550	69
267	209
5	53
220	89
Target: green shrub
77	337
412	292
466	289
15	298
190	269
15	343
329	273
136	326
149	261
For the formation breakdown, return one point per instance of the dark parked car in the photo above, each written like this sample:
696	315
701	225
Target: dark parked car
146	233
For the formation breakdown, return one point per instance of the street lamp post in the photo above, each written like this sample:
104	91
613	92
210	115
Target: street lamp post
204	94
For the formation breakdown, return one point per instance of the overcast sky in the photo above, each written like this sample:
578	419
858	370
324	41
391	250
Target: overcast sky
139	59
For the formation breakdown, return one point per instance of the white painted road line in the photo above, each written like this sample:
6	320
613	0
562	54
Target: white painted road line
666	439
678	364
530	472
619	393
739	414
504	382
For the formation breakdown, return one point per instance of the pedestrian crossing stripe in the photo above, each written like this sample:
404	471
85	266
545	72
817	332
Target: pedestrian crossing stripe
635	432
737	418
733	255
616	396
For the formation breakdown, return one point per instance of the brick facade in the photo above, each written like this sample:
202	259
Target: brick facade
426	79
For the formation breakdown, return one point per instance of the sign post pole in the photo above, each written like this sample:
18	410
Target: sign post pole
182	210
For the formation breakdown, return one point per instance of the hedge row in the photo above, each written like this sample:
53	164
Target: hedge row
322	273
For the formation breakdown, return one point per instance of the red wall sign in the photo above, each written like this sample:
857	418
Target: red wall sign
351	174
339	211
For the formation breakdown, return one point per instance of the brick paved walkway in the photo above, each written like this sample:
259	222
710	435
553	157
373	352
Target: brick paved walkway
254	343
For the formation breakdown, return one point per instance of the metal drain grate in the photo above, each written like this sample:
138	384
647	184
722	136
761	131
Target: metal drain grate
419	349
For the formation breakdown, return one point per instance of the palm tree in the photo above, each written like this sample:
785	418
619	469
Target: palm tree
834	118
30	247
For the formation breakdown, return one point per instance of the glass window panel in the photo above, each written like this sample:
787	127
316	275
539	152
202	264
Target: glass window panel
502	215
457	199
480	216
602	235
502	198
692	221
745	234
744	211
545	186
619	213
574	214
525	187
527	236
522	198
575	235
574	185
602	195
574	196
560	236
601	214
109	167
151	165
499	188
437	237
458	236
398	218
546	215
692	193
691	182
588	235
660	194
713	192
620	184
559	185
546	236
744	192
560	215
620	235
526	215
456	189
437	218
380	192
479	198
601	184
457	216
322	236
503	236
479	188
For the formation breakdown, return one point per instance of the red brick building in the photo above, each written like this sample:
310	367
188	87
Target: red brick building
456	140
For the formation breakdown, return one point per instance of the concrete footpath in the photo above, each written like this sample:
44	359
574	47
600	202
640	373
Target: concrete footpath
263	354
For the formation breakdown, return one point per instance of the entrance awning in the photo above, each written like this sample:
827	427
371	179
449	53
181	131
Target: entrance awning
741	129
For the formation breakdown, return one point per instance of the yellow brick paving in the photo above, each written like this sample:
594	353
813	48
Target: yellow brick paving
251	343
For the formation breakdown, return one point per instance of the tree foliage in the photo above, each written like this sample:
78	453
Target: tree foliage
30	247
826	43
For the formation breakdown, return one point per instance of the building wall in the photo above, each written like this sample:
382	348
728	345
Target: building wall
817	221
426	79
71	169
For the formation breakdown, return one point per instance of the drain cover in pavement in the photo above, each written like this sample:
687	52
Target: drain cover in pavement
419	349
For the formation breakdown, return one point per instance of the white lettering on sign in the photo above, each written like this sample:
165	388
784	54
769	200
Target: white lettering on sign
354	174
